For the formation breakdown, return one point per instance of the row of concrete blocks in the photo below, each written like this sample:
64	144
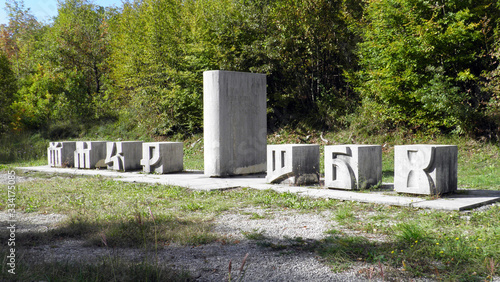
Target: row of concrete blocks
158	157
418	169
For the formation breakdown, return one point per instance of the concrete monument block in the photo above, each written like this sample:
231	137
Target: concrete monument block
353	167
234	116
61	154
88	153
425	169
296	164
162	157
125	155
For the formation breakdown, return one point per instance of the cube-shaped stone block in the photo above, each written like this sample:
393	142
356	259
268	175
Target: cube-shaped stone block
61	154
124	155
425	169
234	121
296	164
162	157
88	153
353	167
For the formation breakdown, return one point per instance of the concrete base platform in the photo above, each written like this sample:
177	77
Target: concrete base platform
196	180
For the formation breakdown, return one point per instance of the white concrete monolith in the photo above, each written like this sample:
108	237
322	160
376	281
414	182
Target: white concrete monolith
235	129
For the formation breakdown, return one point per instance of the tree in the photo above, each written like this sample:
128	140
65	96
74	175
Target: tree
421	63
20	37
8	88
78	46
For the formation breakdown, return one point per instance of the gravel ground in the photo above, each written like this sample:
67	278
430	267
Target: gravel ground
210	262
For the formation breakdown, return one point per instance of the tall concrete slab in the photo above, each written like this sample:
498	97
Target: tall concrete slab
124	155
296	164
353	167
162	157
88	153
61	154
425	169
235	126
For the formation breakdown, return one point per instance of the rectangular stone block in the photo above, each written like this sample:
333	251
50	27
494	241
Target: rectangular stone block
353	167
162	157
61	154
296	164
425	169
88	153
235	129
124	155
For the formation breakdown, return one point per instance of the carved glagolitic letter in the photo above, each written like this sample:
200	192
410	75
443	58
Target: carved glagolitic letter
88	153
353	167
61	154
162	157
125	155
425	169
296	164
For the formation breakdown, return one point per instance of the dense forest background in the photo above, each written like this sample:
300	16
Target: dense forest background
370	66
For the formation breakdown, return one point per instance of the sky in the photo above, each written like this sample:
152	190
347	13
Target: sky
46	9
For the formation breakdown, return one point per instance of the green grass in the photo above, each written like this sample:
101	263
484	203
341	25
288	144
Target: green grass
108	269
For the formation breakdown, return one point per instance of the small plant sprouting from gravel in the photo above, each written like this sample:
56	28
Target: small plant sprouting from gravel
255	235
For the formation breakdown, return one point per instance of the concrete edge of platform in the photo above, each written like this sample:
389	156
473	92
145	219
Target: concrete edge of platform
197	181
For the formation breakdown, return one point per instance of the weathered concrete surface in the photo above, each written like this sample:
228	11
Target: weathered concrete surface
463	200
124	155
234	114
353	167
88	153
61	154
296	164
425	169
162	157
196	180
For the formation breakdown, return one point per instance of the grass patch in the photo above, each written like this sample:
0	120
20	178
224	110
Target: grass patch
256	235
110	269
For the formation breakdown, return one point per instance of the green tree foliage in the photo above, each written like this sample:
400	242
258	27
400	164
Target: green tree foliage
417	64
159	66
311	45
64	78
20	38
303	46
78	44
8	88
421	62
492	84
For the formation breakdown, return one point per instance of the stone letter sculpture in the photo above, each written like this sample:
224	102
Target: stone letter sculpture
61	154
162	157
296	164
125	155
88	153
425	169
353	167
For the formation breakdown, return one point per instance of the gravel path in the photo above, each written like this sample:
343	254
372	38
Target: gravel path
210	262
